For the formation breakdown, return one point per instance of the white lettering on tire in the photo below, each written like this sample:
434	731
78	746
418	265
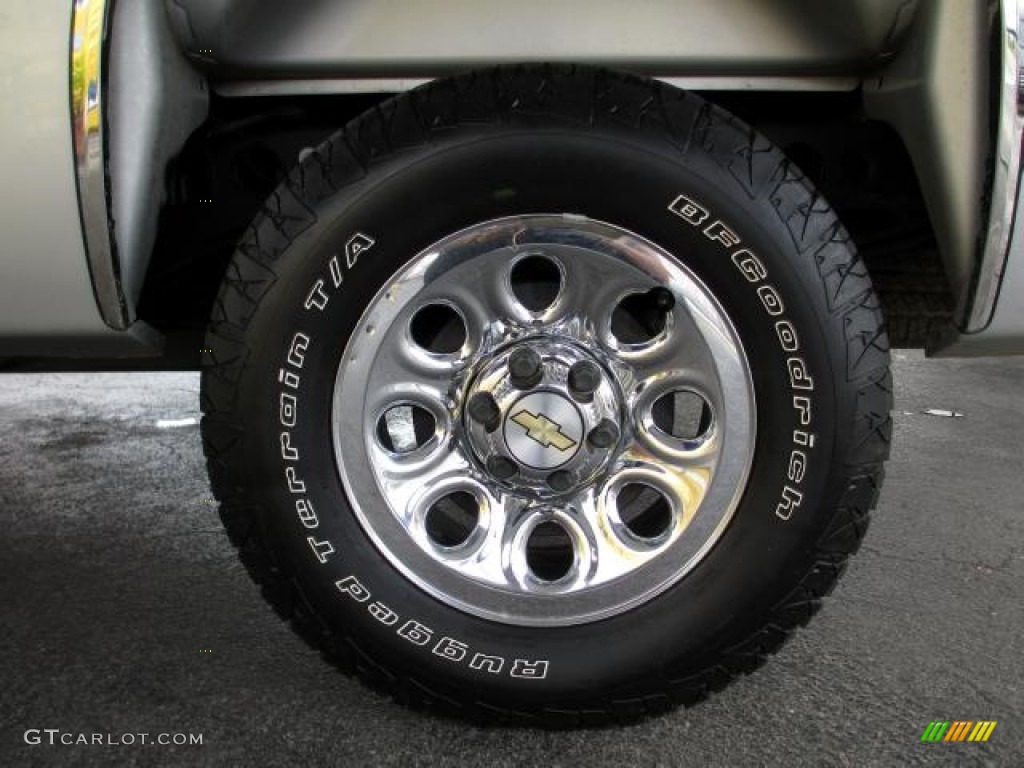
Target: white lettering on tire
321	549
449	648
752	268
288	407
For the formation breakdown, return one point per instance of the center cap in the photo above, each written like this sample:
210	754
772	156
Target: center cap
543	430
542	416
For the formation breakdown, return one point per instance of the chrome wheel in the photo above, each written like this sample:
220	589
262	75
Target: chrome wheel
544	420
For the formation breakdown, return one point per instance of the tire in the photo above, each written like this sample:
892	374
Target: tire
631	160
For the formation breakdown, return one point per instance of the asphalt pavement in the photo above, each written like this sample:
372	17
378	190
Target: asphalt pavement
124	611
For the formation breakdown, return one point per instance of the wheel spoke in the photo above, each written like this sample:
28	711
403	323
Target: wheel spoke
652	444
609	555
593	286
485	300
492	560
413	486
403	372
480	290
683	484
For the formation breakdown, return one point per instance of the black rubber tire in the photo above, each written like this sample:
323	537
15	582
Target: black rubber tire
616	148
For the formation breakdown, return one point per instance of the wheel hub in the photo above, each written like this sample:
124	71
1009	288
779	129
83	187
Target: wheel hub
540	443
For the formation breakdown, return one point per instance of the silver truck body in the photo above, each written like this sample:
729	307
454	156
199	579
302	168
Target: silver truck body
80	216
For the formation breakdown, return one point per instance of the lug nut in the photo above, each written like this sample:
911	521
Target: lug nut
604	435
524	368
584	379
662	298
560	481
501	467
483	408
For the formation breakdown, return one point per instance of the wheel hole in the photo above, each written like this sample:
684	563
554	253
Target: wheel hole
438	328
682	414
644	511
402	429
536	282
549	551
636	320
452	518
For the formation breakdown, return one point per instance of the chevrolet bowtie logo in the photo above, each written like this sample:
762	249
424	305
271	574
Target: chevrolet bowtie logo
543	430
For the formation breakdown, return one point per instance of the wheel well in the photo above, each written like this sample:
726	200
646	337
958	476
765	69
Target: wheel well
232	163
864	170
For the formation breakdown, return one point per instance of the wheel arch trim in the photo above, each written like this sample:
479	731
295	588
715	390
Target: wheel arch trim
87	71
1009	134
